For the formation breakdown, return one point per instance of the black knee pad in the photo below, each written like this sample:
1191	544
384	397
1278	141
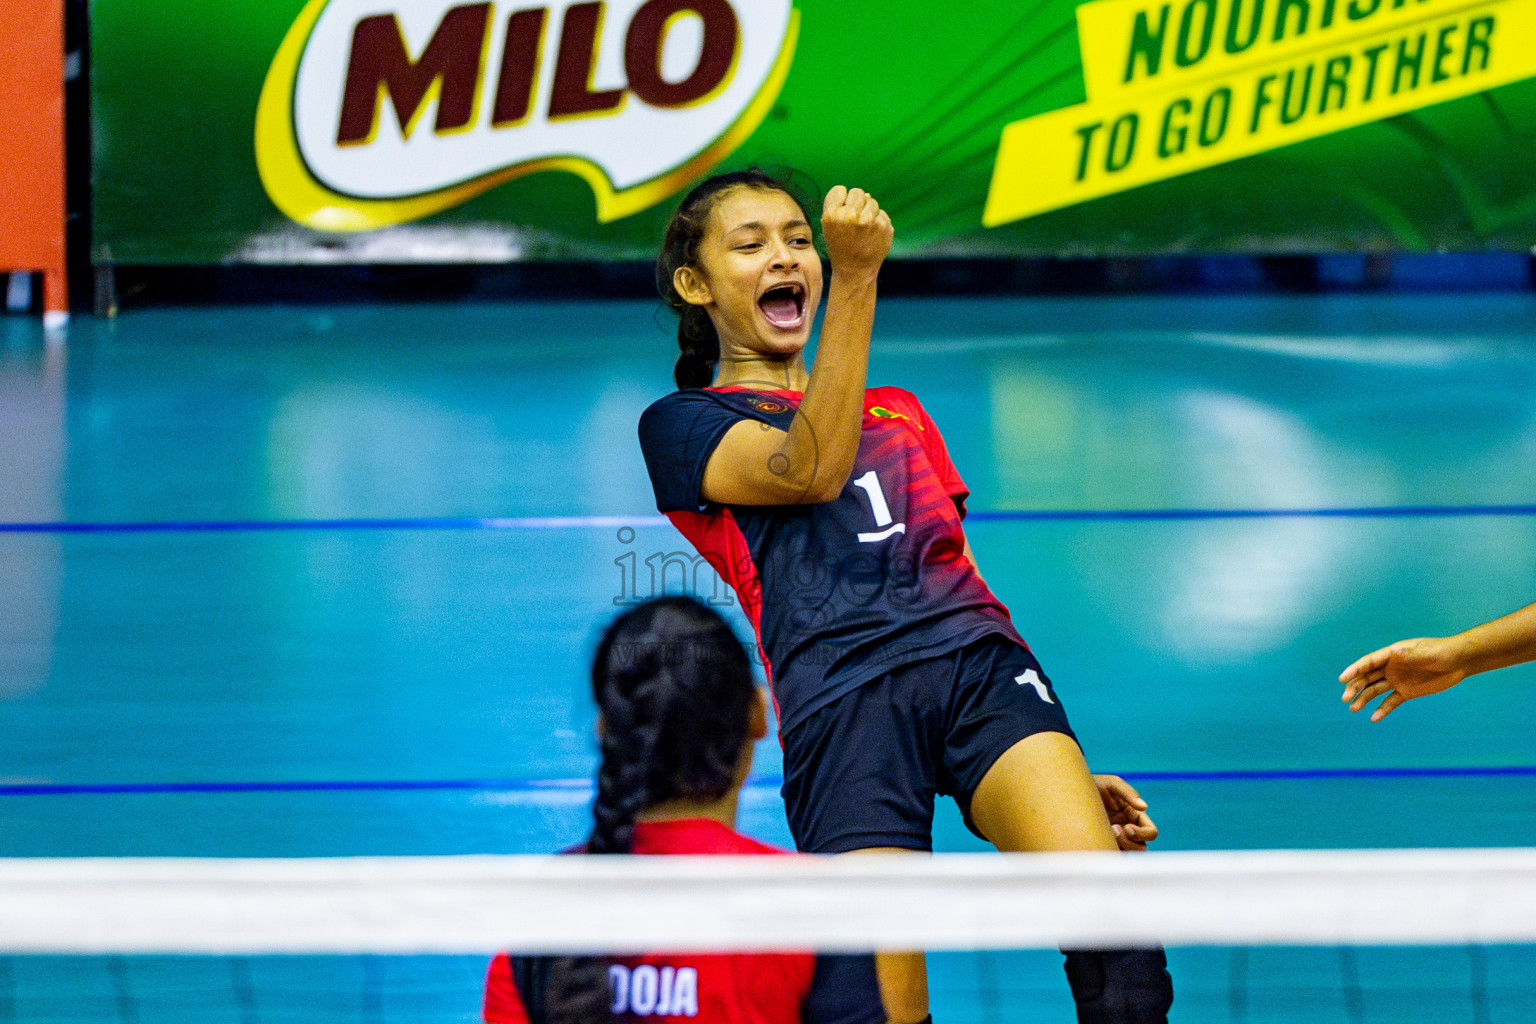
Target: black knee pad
1120	986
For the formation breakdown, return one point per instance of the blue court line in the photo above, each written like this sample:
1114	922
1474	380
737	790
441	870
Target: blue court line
1295	774
1368	512
299	525
611	522
297	786
756	782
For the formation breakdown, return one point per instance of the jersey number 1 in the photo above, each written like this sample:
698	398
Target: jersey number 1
871	485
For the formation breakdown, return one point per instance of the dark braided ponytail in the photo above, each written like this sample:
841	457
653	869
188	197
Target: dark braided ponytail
675	689
697	339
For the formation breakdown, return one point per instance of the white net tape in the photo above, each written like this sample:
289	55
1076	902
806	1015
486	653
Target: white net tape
619	904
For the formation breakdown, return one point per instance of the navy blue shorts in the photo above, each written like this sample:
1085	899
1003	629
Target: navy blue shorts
864	770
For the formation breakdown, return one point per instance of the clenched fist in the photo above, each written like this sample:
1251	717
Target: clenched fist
858	233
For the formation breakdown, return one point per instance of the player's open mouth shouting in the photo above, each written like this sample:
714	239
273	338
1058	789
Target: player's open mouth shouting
784	305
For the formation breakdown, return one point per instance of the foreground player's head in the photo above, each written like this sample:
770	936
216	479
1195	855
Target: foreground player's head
679	711
739	259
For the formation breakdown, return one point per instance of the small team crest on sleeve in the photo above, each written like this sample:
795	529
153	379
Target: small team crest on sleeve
768	405
890	414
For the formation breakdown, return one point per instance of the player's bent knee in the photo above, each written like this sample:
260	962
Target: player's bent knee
1120	986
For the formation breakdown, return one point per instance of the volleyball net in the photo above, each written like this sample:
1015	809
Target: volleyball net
1253	936
621	904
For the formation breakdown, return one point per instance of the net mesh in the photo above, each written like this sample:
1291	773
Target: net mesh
1253	985
1254	936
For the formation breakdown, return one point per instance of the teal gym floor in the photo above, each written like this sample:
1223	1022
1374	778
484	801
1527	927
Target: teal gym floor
317	581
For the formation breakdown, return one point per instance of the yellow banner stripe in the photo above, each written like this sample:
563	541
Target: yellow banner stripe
1158	126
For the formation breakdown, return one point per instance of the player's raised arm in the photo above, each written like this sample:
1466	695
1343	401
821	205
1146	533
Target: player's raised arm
755	464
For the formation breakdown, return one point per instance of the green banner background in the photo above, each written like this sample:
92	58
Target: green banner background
904	98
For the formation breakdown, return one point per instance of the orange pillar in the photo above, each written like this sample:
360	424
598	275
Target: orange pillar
32	145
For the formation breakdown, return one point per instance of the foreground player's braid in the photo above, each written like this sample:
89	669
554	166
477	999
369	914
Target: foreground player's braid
623	775
697	340
675	690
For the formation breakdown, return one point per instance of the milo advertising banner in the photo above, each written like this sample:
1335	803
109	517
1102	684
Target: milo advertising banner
294	131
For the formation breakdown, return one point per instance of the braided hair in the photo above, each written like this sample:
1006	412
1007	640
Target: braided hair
675	689
697	339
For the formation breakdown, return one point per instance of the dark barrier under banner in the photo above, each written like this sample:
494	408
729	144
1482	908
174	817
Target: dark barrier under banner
285	131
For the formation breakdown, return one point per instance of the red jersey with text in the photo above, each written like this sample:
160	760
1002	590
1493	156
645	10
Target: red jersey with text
838	592
712	988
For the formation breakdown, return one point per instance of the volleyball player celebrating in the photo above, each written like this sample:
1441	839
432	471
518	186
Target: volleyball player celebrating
678	713
835	513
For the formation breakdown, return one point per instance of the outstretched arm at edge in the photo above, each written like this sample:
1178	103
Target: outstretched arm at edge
1426	665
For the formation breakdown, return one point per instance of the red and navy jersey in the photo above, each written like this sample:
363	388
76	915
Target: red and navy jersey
838	592
707	988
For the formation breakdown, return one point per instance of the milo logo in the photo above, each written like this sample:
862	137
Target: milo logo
376	113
